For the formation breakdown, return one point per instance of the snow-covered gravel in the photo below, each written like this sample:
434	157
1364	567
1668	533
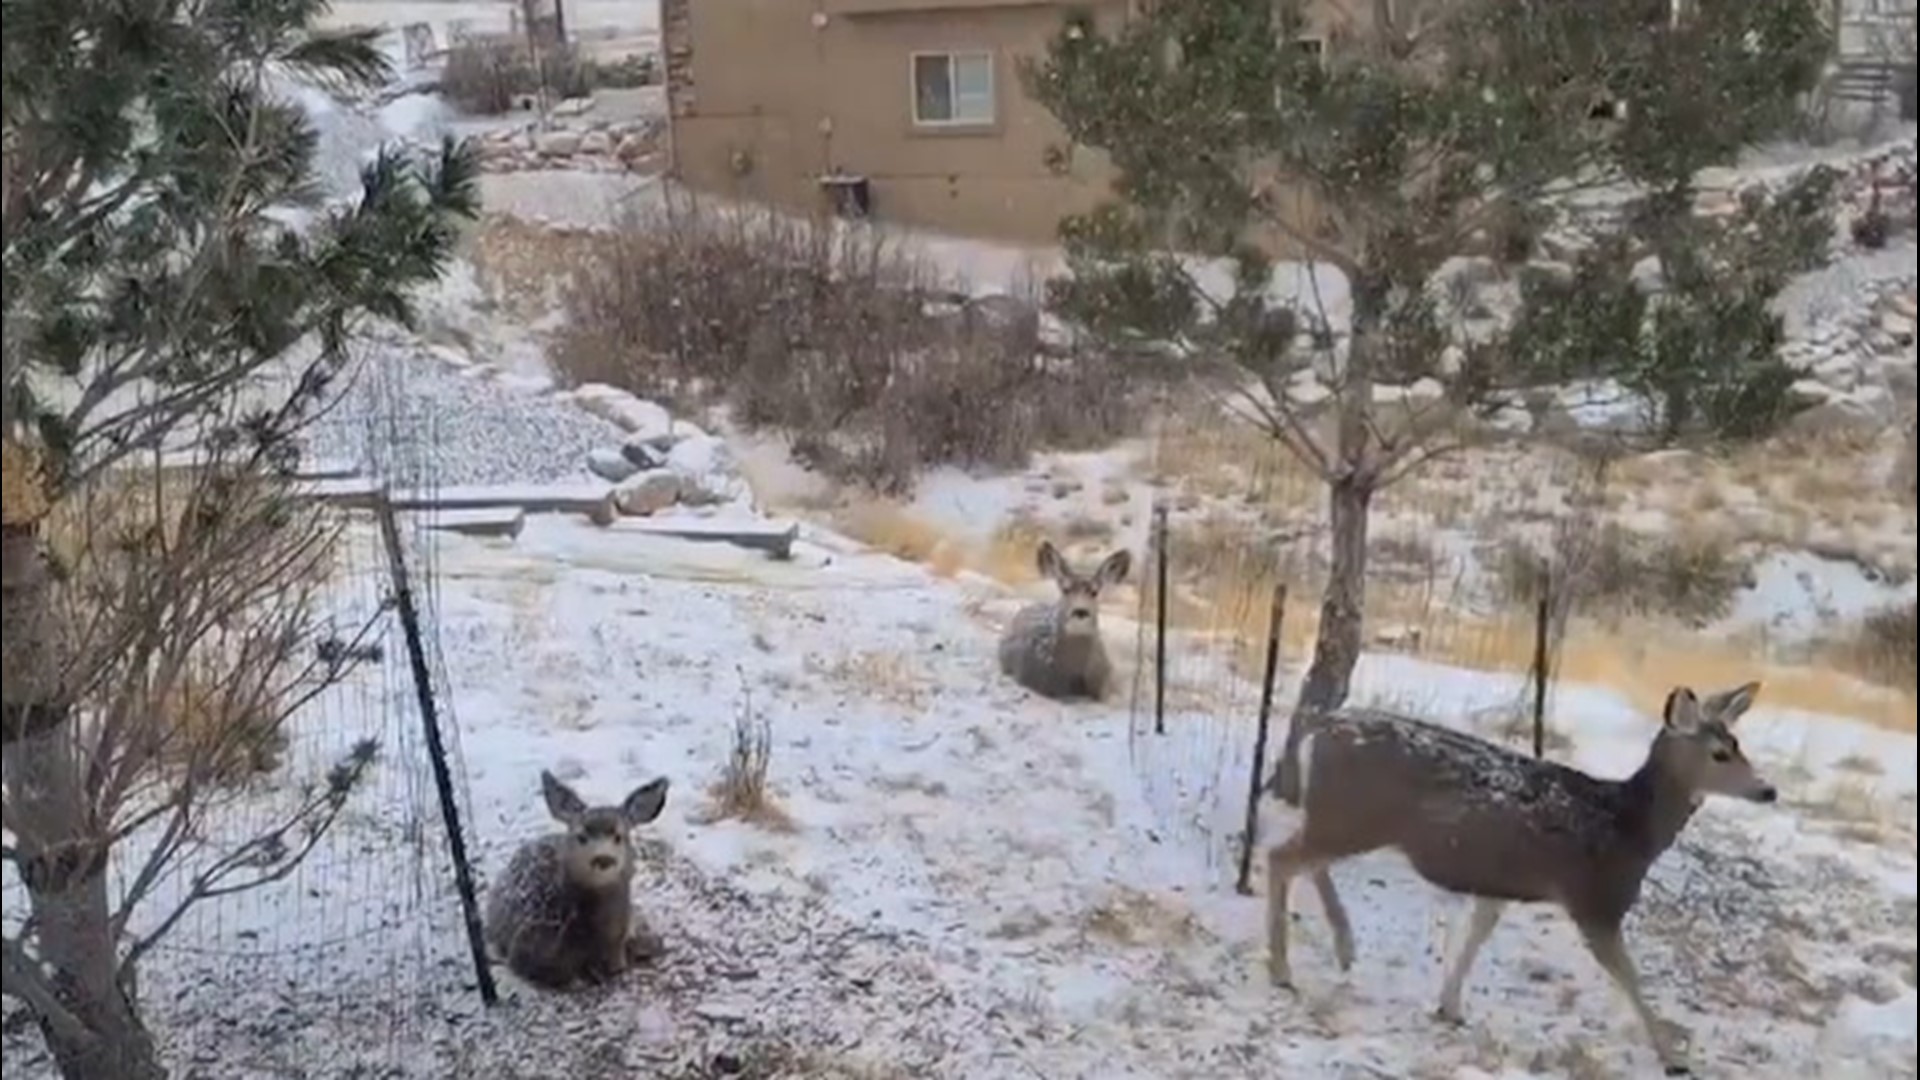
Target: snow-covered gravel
453	426
1836	289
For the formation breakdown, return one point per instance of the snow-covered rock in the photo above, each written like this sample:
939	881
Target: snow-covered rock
707	470
423	118
648	493
611	464
554	144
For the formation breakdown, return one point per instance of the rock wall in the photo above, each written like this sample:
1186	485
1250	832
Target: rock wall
574	140
676	39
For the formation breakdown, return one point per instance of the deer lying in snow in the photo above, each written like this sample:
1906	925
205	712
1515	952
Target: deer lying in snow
1054	649
1478	819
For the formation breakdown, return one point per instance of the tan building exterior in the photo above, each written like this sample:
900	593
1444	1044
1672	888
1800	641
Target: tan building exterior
772	100
920	98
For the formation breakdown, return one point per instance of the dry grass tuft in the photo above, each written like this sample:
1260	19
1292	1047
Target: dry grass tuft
1130	916
741	793
894	677
1693	578
899	532
522	265
1880	648
1855	808
208	721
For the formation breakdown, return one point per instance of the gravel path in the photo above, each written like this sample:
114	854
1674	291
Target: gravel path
417	419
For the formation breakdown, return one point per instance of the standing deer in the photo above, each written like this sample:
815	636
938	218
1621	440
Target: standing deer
1478	819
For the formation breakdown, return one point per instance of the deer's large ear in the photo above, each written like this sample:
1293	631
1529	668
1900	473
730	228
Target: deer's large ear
1049	562
1728	706
645	803
1682	711
562	801
1114	569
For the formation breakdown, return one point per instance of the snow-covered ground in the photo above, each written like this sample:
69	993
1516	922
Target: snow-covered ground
589	18
978	883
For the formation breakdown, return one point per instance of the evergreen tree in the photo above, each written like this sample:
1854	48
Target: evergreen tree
1382	140
166	249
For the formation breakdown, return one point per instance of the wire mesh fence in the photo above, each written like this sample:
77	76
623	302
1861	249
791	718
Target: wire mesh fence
292	913
1449	581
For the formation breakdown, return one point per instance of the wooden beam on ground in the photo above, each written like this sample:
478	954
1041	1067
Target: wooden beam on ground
502	521
773	537
325	469
593	499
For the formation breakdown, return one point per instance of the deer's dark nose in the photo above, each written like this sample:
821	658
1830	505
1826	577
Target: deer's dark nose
1767	794
603	862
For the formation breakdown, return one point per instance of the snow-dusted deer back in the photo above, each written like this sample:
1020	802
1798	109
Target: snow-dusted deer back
1054	649
1478	819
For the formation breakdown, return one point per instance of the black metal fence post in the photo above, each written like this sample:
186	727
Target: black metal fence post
436	745
1244	885
1543	617
1160	619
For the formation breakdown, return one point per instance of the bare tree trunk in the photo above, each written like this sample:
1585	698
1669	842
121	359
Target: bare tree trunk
28	662
52	818
65	871
1343	605
1350	488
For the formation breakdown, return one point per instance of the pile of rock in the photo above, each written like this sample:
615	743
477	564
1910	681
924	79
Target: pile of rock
1860	368
662	463
1887	171
572	140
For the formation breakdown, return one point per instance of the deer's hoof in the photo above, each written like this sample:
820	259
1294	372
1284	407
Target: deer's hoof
644	947
1679	1070
1450	1015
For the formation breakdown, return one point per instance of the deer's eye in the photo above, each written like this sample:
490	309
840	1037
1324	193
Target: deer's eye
582	839
1723	755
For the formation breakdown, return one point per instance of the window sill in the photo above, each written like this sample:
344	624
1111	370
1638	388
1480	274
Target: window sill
982	129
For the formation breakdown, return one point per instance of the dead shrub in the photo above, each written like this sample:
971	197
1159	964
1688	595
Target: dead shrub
741	792
487	77
1882	647
217	710
1693	579
831	336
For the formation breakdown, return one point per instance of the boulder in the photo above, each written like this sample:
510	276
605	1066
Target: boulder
706	469
611	464
1843	414
637	416
596	142
1809	393
648	493
646	451
554	144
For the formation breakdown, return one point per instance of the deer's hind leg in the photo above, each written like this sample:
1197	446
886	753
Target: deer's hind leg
1336	918
1486	914
1610	949
1286	861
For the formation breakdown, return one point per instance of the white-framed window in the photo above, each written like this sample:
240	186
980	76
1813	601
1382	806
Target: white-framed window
952	88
